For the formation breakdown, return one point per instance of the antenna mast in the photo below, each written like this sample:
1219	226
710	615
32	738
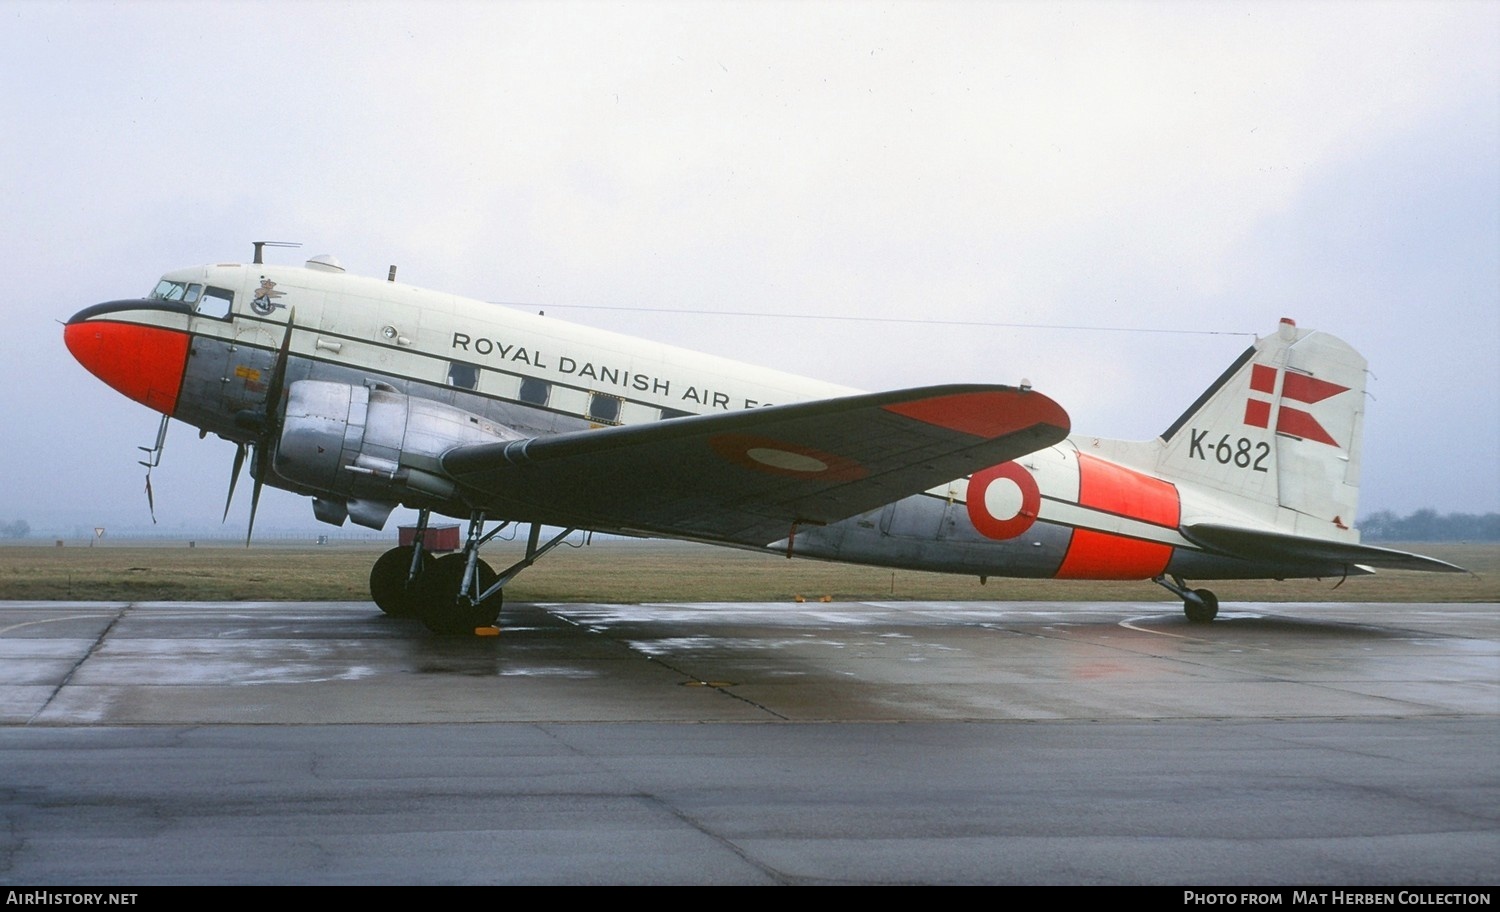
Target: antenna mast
261	245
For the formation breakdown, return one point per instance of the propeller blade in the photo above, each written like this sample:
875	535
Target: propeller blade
260	463
267	442
254	502
278	372
234	476
150	500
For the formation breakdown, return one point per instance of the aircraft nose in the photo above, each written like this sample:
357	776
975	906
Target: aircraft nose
117	344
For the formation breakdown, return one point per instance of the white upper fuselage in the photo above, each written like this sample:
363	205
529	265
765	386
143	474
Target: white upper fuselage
419	335
205	347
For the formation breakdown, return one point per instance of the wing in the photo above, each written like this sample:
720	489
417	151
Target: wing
1258	545
748	477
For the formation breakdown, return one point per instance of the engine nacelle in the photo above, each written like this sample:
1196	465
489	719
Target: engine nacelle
366	449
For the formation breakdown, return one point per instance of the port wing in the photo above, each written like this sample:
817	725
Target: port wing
750	477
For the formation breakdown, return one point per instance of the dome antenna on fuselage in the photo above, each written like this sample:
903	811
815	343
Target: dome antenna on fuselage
261	245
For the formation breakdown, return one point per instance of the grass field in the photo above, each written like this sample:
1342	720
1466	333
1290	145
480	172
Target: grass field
628	571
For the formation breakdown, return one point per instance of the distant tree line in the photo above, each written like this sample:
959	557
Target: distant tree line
18	529
1428	526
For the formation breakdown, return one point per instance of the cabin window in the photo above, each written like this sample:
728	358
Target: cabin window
463	376
674	413
213	302
604	408
534	391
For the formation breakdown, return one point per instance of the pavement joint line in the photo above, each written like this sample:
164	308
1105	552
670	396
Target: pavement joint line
93	647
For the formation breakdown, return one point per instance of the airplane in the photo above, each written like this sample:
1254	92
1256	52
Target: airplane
365	394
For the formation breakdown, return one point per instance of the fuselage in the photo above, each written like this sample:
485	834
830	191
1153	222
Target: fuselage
203	346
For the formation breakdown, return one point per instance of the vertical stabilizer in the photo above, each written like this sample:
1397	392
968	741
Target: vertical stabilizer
1280	431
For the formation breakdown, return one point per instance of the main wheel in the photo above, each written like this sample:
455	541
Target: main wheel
442	609
388	583
1203	611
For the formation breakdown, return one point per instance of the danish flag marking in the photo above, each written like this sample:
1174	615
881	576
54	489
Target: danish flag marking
1295	387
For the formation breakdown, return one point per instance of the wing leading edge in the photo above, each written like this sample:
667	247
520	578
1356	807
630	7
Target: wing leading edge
748	477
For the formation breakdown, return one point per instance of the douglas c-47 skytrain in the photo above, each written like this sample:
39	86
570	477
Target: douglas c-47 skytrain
366	394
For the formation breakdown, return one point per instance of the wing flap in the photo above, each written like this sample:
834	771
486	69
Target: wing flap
1255	544
749	476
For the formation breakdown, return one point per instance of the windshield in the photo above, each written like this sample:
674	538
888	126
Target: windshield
206	301
175	291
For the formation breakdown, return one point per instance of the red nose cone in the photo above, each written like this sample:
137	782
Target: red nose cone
143	362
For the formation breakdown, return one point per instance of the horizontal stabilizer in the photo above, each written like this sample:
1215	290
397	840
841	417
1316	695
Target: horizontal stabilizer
750	476
1254	544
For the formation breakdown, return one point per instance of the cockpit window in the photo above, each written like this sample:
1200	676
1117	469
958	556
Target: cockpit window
215	302
170	291
206	301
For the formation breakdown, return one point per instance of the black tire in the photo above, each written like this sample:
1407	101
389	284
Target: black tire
1201	613
388	583
442	611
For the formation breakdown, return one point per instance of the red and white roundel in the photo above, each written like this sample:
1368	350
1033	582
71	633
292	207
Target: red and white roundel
780	457
1003	501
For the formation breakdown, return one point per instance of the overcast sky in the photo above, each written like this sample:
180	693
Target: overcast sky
1160	166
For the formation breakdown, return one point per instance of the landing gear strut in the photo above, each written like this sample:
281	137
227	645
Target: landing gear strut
447	594
1200	605
456	593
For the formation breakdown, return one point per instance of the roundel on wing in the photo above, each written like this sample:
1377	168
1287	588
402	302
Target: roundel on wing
780	457
1003	501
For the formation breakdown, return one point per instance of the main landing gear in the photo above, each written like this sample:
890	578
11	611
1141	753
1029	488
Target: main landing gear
453	594
1200	605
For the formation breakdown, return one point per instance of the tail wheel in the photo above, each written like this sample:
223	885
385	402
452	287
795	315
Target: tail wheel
443	610
1205	609
388	583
